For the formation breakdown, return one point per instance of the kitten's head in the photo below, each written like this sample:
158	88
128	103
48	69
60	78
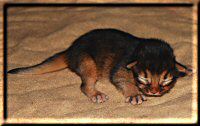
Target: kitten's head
155	69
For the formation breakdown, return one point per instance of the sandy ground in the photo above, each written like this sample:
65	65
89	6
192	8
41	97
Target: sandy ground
34	34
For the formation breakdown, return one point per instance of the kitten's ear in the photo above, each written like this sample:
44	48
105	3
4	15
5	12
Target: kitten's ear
130	65
184	70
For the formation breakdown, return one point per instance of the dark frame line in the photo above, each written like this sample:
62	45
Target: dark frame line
8	5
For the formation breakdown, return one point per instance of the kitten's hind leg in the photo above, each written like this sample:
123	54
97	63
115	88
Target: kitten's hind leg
184	70
88	73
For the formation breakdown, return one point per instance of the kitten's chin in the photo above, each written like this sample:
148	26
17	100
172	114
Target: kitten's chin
153	94
149	93
146	91
157	94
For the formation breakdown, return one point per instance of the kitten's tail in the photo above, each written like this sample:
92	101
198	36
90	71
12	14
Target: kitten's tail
54	63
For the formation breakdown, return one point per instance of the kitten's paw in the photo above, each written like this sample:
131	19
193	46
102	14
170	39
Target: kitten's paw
99	98
134	100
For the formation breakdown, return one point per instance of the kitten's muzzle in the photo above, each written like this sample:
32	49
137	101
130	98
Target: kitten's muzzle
152	93
147	90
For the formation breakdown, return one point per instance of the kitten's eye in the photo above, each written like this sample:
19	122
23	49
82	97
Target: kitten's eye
167	81
143	80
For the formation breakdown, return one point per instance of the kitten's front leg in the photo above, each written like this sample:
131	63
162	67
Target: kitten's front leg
132	94
124	81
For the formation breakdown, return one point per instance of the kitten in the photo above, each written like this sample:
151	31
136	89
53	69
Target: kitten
137	67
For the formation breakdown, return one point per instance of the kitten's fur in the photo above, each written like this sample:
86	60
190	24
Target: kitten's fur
136	66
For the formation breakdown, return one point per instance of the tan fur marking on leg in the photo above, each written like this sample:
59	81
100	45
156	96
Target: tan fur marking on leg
126	83
107	67
88	72
129	90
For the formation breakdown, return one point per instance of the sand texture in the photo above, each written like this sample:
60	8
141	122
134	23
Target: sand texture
35	34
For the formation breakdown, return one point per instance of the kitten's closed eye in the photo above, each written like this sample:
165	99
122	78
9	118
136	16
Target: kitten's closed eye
143	79
166	81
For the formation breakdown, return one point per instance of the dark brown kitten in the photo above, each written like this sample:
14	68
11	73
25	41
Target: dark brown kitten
136	66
